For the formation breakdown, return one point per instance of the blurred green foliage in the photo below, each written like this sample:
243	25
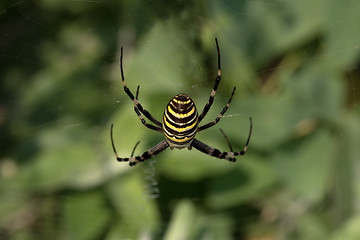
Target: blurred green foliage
296	66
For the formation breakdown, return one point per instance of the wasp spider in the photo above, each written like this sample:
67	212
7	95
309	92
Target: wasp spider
180	123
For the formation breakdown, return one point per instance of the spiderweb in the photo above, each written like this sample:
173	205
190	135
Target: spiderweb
296	69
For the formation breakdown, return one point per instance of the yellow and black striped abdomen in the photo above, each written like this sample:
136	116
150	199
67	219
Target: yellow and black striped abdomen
180	121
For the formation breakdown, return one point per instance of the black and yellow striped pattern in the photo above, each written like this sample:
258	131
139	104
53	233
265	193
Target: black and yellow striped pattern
180	121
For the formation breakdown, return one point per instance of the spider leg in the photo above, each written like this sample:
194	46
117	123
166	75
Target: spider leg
230	156
136	102
156	128
146	155
226	138
133	151
210	124
213	91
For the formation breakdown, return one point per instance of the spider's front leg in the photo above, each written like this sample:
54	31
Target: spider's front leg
202	147
146	155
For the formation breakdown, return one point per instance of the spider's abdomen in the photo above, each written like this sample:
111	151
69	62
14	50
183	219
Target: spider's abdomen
180	121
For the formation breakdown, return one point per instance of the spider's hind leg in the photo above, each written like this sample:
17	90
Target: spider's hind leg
216	84
136	109
131	96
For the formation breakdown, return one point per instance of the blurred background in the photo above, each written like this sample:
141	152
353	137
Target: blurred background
296	66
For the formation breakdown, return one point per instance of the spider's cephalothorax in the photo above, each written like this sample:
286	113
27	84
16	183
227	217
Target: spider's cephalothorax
180	123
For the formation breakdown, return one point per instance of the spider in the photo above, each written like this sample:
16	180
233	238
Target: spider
180	123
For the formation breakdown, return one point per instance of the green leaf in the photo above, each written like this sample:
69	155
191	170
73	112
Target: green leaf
350	230
85	215
128	195
342	35
306	170
182	222
249	179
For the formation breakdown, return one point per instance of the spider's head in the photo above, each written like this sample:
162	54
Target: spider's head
180	121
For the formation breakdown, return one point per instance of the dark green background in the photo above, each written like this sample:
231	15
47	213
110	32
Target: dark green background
296	66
